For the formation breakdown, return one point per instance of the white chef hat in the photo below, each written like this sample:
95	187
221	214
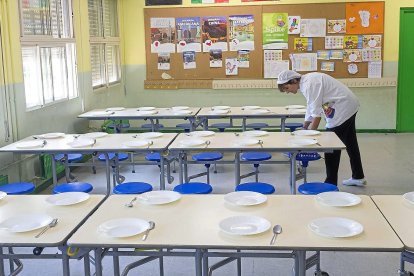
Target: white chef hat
286	76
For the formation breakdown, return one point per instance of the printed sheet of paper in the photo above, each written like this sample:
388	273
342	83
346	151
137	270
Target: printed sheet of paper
214	34
334	42
371	41
241	32
232	66
328	66
375	69
275	30
337	54
323	54
272	68
294	24
371	55
337	26
313	27
162	35
164	61
188	34
216	58
352	55
189	59
304	62
243	57
353	42
303	44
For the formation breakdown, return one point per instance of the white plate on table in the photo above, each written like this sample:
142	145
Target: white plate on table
95	135
115	108
297	111
303	141
52	135
101	113
244	225
2	195
150	135
138	143
220	111
250	107
221	107
338	199
260	111
182	112
409	197
336	227
176	108
81	142
146	108
255	133
246	142
245	198
158	197
147	112
25	222
123	227
202	133
193	142
295	106
30	144
306	132
69	198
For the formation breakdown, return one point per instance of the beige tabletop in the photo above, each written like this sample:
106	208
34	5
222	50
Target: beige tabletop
399	214
193	222
277	141
266	112
133	113
110	142
69	218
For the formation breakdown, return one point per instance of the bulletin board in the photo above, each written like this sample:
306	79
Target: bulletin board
203	72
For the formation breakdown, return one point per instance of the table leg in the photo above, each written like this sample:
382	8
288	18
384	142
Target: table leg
192	124
282	124
205	124
54	176
293	172
180	168
162	172
1	262
108	174
198	262
98	261
67	171
237	167
244	124
116	263
300	263
185	163
86	265
65	264
205	263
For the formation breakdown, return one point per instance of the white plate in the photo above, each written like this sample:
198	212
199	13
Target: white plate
297	111
202	133
220	111
409	197
182	112
100	113
260	111
123	227
115	109
137	144
193	142
250	107
221	107
247	142
94	135
81	142
25	222
52	135
2	195
306	132
255	133
146	108
303	141
68	198
244	225
150	135
295	106
176	108
336	227
245	198
147	112
158	197
338	199
30	144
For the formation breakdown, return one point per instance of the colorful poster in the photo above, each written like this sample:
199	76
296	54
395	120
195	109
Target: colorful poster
352	42
302	44
323	54
231	67
243	57
304	62
334	42
328	66
188	34
374	69
294	24
214	33
241	32
353	55
189	59
337	26
164	60
337	54
365	18
162	35
275	30
371	55
313	27
271	55
371	41
216	58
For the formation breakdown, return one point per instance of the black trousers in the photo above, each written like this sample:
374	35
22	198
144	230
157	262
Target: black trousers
347	133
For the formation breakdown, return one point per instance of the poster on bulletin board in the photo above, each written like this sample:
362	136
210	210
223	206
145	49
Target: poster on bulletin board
365	18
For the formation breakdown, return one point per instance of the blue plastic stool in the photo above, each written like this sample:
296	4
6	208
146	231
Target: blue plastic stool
121	156
315	188
257	126
116	177
293	126
207	157
255	157
304	158
72	158
73	187
149	126
185	126
221	126
193	188
259	187
155	157
118	127
18	188
132	188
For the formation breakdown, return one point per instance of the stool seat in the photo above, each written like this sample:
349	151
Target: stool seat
150	126
293	126
255	156
121	156
73	187
259	187
123	125
207	156
132	188
18	188
193	188
185	126
72	157
257	126
155	156
221	126
314	188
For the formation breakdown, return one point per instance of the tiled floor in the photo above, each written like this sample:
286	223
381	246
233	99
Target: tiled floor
389	168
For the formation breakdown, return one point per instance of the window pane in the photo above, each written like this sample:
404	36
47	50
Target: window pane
95	16
110	18
71	67
45	64
35	17
97	64
32	77
59	73
113	63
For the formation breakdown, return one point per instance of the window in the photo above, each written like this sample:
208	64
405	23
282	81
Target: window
105	50
48	52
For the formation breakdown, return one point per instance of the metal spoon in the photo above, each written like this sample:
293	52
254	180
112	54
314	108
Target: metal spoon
277	229
151	226
53	223
131	203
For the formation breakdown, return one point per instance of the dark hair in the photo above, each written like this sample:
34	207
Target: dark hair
282	86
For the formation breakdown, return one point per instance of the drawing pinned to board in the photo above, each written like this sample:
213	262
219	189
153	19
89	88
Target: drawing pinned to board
162	35
275	30
188	34
313	27
241	32
189	60
371	41
371	55
303	44
328	66
164	60
231	67
334	42
243	57
294	24
352	68
214	33
365	18
353	42
304	62
336	54
337	26
352	55
323	54
216	58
